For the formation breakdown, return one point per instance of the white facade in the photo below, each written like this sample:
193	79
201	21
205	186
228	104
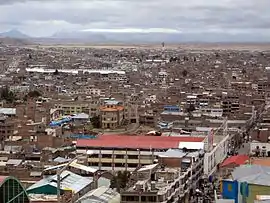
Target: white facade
19	88
216	156
74	71
212	112
253	145
151	99
90	91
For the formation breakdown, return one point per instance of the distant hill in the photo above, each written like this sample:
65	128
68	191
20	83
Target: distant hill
79	37
109	37
14	34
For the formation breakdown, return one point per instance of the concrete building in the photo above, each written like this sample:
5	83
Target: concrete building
112	114
247	183
72	107
77	184
101	195
114	153
7	128
157	183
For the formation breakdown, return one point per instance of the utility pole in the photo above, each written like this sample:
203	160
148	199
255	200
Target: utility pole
60	171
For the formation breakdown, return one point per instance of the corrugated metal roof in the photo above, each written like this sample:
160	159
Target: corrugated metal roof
15	162
75	165
61	160
148	167
173	153
191	145
100	195
253	174
69	181
8	111
81	116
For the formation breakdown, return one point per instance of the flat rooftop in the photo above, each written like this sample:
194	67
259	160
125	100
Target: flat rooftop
136	142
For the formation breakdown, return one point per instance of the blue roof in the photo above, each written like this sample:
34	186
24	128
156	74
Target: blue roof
60	122
82	136
171	106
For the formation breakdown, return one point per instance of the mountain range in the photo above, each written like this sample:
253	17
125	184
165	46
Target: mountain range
109	37
14	34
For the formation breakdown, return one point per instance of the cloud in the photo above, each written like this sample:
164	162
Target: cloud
40	17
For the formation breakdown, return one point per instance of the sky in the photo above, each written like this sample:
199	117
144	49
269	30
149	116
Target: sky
41	18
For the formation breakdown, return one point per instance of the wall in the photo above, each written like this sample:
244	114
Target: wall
46	189
170	162
253	146
230	190
257	190
216	156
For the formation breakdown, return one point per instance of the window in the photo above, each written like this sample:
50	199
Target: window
106	164
143	198
119	165
133	156
119	156
132	165
106	156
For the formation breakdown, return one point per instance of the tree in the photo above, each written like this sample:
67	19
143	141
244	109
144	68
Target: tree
244	71
184	73
120	180
191	108
7	95
34	94
95	121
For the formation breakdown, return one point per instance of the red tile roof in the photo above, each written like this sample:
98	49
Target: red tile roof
238	160
136	142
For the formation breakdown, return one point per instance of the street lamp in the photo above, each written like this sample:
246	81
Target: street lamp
60	171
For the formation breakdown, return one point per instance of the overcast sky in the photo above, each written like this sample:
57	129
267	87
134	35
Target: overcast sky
46	17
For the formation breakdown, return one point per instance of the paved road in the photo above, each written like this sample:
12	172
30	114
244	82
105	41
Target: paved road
244	149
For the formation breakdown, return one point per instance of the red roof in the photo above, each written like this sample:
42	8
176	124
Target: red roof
136	142
238	160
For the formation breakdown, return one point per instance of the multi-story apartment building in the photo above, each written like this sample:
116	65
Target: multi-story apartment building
230	105
7	127
188	160
241	86
263	87
131	113
168	181
76	107
114	153
90	91
148	118
111	114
